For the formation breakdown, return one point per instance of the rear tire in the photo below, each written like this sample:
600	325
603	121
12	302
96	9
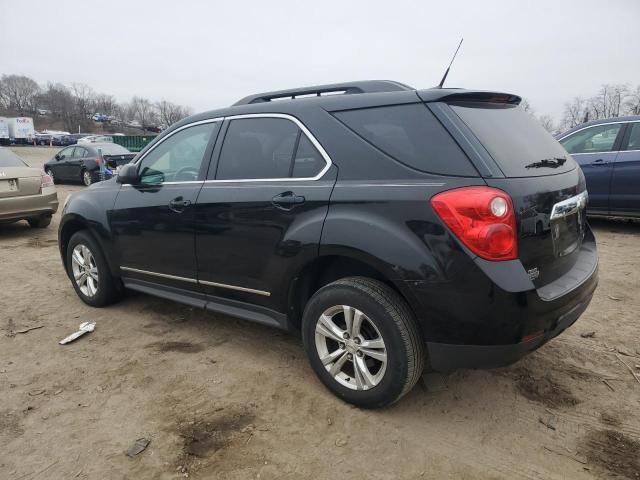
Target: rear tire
87	179
42	221
372	365
89	272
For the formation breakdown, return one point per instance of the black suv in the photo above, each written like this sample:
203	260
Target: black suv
395	228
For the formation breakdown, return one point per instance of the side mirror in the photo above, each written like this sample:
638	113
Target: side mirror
59	157
128	173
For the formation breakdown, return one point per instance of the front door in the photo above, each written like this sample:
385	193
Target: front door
153	222
625	181
595	149
260	216
61	169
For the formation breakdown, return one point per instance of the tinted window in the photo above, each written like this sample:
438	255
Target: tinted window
634	137
10	159
256	148
79	152
411	135
67	153
308	162
178	158
599	138
515	140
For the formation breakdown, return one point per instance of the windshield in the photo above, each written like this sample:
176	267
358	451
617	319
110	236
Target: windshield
112	149
10	159
517	142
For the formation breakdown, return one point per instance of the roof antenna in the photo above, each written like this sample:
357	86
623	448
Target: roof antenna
450	63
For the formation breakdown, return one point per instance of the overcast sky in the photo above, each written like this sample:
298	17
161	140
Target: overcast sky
208	54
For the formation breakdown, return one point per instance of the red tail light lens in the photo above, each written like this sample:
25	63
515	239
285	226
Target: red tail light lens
97	161
482	218
45	181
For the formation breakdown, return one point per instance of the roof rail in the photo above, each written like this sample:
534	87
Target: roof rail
367	86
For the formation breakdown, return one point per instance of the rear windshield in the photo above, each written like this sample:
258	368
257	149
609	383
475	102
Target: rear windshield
112	149
412	135
10	159
517	142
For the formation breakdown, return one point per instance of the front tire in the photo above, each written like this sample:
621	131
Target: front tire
89	273
363	342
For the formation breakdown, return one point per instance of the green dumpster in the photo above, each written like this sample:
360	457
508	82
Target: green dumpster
133	143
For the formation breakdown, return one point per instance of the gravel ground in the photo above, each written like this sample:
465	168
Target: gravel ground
223	398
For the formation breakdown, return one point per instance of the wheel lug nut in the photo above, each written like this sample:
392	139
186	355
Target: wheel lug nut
342	345
359	353
345	335
357	340
349	356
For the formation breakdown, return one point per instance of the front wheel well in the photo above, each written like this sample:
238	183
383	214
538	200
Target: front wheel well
71	227
321	272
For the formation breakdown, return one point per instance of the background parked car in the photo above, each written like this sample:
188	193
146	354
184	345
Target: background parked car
609	153
82	162
95	139
26	193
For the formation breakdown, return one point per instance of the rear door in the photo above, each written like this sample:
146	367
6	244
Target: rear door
153	222
595	150
76	162
625	182
260	214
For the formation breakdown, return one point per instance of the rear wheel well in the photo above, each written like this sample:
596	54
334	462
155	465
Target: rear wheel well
321	272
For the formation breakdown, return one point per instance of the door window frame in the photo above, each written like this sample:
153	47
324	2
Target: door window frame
227	120
627	136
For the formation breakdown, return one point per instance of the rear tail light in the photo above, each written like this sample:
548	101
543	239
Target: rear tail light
482	218
45	181
98	161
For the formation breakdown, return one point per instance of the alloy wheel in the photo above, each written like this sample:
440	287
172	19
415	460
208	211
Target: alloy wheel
351	347
86	178
85	270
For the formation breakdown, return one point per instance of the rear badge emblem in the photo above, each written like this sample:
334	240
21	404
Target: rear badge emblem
533	273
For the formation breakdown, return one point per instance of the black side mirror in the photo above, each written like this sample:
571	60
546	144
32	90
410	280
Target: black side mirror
128	173
59	157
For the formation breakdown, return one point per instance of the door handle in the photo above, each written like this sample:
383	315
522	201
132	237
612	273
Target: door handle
178	204
599	163
287	200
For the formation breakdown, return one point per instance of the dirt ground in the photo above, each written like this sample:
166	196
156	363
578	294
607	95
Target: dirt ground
226	399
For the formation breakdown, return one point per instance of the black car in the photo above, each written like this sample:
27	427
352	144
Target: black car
82	162
392	227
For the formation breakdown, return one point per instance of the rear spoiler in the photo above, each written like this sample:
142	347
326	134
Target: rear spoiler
468	96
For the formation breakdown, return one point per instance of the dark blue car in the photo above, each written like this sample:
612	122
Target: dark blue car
609	153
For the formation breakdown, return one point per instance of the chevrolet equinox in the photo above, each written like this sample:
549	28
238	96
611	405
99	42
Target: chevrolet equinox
393	228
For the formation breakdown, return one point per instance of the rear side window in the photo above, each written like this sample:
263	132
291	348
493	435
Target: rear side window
517	142
265	148
411	135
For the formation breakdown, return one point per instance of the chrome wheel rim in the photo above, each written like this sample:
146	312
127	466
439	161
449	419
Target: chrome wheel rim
85	270
86	177
351	347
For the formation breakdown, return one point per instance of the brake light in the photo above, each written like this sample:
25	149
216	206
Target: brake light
45	181
98	161
482	218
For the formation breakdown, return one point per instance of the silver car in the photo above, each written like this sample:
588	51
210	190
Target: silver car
26	193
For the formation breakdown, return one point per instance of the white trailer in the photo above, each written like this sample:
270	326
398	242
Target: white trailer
21	129
4	130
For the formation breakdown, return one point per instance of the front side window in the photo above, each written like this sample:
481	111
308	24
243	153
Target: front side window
267	148
67	153
599	138
179	158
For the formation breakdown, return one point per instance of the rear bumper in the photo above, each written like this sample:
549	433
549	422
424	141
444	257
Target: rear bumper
18	208
445	357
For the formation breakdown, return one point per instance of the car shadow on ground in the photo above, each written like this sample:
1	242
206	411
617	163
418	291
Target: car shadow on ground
615	224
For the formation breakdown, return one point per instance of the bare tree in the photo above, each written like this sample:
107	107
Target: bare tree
105	104
575	112
18	92
171	113
547	123
142	110
632	102
60	101
608	102
526	106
